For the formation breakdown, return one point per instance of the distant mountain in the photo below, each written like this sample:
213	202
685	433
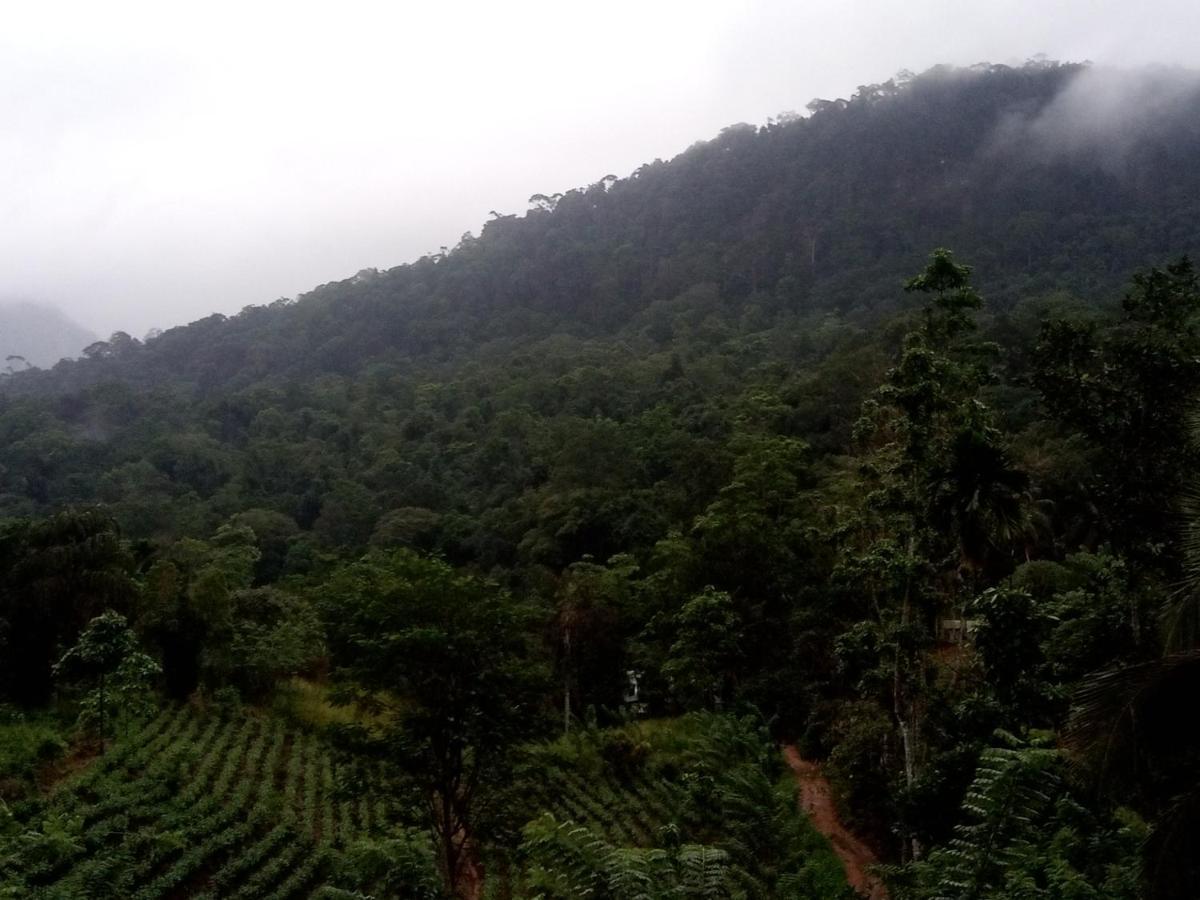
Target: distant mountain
1049	177
39	335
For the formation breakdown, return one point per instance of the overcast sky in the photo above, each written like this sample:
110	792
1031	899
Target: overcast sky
163	160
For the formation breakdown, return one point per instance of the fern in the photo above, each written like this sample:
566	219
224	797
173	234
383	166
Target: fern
1012	790
569	860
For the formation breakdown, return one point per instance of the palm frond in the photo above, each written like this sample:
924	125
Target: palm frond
1126	717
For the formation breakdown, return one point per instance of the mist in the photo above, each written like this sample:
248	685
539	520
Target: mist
160	163
1103	114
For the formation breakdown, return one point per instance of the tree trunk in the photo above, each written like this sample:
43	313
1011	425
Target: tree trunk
447	831
566	680
904	706
101	712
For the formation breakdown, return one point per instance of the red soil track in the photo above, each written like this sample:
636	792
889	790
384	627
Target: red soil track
816	799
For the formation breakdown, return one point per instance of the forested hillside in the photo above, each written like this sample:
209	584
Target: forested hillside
731	439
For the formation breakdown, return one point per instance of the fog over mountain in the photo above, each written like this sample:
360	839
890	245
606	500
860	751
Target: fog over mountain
811	216
40	335
1103	114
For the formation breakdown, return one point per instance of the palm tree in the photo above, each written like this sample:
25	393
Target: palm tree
981	498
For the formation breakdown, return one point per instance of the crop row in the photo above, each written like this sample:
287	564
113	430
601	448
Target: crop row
628	814
193	805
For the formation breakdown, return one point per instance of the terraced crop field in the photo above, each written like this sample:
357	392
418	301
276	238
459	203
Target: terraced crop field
693	806
201	806
626	814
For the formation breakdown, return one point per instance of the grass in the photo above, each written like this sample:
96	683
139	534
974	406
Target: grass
28	743
309	705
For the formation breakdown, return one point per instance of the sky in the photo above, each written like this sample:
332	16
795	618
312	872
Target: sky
162	161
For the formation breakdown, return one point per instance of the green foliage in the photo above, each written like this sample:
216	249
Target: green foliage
27	741
939	508
568	861
704	809
109	658
1102	614
702	663
862	739
401	866
269	634
453	651
1027	835
55	575
206	806
626	433
1130	386
188	600
47	845
591	624
1010	633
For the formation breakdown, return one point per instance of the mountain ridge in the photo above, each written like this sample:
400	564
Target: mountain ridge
825	212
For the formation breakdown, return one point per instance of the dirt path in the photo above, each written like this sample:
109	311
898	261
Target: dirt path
816	798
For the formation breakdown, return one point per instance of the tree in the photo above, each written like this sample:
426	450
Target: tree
269	634
1132	731
703	662
1010	632
55	575
188	598
588	634
454	652
1130	387
984	501
754	542
926	437
751	535
108	657
1025	834
274	531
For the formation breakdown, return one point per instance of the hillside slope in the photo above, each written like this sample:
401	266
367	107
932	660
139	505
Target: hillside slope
1047	177
567	382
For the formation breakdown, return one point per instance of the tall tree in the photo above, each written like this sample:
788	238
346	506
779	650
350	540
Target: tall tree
119	674
588	634
706	655
925	433
448	658
188	601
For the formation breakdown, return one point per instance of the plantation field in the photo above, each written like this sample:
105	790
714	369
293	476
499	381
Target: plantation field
697	805
203	805
198	805
626	812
